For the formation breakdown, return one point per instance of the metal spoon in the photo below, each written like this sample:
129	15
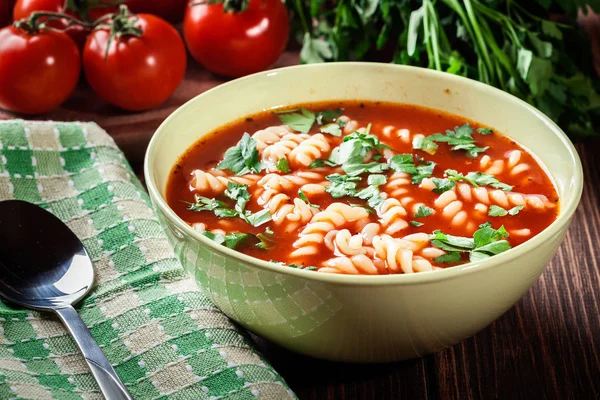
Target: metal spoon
44	266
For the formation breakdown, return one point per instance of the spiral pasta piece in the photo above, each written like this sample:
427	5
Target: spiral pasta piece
353	265
289	182
308	151
215	182
270	135
391	216
333	217
280	149
344	243
399	254
512	162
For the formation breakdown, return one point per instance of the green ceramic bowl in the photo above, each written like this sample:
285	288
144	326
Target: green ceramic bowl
363	318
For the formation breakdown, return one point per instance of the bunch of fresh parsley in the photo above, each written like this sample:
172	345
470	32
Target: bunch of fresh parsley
532	49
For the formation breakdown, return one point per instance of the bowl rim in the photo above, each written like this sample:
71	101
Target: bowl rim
564	217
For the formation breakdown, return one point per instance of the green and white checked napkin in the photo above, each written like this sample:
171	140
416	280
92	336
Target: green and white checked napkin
165	339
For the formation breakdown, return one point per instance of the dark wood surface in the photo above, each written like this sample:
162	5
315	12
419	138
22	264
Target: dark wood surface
546	347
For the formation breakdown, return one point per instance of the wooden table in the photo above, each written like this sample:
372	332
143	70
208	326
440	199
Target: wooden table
547	346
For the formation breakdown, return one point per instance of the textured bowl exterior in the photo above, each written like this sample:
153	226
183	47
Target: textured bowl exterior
363	318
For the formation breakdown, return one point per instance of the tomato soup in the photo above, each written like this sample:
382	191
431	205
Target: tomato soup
362	188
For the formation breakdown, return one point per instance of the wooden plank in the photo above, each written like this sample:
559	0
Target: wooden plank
548	346
323	380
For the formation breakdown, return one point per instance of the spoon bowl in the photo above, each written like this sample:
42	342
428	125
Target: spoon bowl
44	266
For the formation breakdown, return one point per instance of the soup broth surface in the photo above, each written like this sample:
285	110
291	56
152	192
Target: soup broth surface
367	190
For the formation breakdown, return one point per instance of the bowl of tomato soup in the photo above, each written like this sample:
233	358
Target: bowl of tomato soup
362	212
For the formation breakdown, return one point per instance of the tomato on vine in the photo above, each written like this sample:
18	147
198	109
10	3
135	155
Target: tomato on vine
236	37
134	62
39	69
88	10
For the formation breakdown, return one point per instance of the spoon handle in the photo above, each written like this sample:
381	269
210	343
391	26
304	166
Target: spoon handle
108	380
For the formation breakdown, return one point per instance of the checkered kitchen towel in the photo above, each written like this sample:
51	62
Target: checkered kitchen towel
165	339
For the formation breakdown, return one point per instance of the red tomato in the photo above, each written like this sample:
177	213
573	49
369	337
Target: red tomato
139	72
24	8
171	10
37	71
236	44
6	7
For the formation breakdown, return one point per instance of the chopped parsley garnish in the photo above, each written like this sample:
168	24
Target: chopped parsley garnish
406	163
416	223
299	121
478	179
442	185
461	138
257	219
297	266
423	211
449	258
421	143
486	242
515	210
342	185
484	131
497	211
283	165
327	116
353	150
332	129
371	193
242	158
266	239
302	120
204	204
303	197
231	240
239	193
320	163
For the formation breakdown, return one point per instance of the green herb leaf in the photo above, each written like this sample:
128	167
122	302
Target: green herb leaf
477	179
258	218
242	158
423	211
406	163
342	185
425	144
450	242
515	210
204	204
452	257
301	122
496	211
303	197
461	138
403	163
283	165
319	163
332	129
416	223
484	131
233	240
484	252
266	239
239	193
327	116
214	237
442	185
